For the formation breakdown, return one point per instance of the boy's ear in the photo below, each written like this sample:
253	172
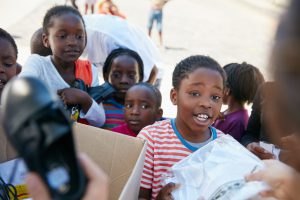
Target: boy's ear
173	96
159	114
45	40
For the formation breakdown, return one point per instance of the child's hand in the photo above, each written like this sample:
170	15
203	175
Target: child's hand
259	151
73	96
165	192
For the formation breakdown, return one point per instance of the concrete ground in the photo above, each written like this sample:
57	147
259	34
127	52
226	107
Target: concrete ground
229	31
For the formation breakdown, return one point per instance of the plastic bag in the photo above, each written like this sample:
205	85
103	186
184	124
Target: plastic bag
106	33
216	171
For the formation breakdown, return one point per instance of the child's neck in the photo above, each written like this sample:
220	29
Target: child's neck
65	69
191	136
234	105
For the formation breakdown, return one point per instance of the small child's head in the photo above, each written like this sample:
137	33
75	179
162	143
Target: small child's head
122	69
142	106
64	33
198	86
242	82
8	58
36	44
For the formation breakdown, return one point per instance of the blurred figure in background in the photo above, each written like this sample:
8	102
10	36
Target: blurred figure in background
89	4
156	15
283	116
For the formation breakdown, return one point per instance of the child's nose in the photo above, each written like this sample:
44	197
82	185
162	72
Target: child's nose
135	110
124	79
205	102
2	68
71	40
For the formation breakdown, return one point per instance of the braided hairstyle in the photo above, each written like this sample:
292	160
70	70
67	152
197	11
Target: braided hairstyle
153	89
6	36
190	64
119	52
243	81
57	11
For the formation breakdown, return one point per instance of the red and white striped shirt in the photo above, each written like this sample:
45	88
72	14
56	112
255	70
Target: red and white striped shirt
165	147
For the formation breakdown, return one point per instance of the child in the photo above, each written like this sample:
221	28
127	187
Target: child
242	83
8	58
142	108
36	44
198	84
64	33
8	69
122	69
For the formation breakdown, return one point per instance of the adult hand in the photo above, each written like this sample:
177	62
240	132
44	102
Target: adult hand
97	187
165	192
259	151
283	180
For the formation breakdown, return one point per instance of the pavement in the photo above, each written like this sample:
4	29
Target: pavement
229	31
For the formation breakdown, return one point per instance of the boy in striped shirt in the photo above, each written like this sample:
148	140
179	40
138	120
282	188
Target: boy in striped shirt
198	84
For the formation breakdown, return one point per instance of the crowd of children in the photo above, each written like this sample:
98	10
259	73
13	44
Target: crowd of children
200	88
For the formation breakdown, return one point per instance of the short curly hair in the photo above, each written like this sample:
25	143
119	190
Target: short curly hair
190	64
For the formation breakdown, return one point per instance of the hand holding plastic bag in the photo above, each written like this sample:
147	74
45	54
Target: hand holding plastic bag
216	171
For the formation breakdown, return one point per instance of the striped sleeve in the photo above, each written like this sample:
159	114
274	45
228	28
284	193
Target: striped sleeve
147	175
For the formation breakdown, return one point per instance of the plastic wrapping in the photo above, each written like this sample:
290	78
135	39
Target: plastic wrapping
216	171
106	33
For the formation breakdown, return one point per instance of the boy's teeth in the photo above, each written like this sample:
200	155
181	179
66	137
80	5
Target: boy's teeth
203	116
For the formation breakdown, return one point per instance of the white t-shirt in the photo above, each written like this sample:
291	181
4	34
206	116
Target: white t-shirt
43	69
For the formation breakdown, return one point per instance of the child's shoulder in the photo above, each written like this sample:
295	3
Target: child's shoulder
160	129
163	124
218	132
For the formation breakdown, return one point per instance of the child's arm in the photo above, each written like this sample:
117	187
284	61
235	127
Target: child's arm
153	75
144	194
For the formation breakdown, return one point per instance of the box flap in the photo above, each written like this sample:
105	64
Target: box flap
117	155
121	157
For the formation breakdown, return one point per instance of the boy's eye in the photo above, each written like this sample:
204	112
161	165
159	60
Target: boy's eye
145	106
215	98
194	94
127	105
61	36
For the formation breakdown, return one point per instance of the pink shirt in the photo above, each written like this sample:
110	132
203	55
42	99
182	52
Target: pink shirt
124	129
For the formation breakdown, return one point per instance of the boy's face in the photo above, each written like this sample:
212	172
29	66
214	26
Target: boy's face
123	74
141	108
8	62
198	100
66	38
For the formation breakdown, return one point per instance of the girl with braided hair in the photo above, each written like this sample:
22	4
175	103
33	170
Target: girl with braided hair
241	85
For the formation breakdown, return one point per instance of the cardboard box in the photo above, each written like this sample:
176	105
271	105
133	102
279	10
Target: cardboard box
120	156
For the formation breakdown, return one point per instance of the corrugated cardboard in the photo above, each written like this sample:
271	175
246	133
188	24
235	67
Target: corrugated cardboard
120	156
